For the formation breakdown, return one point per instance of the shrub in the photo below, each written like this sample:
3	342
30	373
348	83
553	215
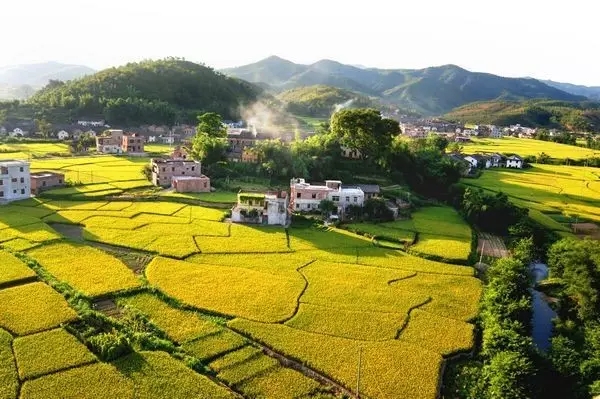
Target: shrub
110	346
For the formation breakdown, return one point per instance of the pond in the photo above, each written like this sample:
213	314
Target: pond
542	312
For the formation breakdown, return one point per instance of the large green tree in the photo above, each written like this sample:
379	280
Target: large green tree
365	130
211	124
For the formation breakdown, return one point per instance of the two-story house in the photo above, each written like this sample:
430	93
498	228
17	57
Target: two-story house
306	197
15	180
264	208
179	173
514	161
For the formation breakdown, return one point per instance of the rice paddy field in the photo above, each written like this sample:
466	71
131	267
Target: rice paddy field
526	147
238	298
555	195
437	232
31	150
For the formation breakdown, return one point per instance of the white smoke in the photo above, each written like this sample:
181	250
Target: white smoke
343	105
268	118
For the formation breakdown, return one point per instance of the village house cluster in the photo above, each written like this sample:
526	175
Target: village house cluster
485	161
115	141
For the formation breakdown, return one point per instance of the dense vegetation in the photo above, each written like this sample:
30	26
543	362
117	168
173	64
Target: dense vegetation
320	100
575	351
434	90
574	116
160	92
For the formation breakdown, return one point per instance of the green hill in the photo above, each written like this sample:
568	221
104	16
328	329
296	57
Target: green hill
320	101
579	116
162	91
430	91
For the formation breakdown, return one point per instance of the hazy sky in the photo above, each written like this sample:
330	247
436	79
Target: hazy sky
549	39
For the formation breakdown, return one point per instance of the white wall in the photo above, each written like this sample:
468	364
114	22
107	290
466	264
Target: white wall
16	190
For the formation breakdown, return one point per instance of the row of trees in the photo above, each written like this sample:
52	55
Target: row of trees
506	367
421	164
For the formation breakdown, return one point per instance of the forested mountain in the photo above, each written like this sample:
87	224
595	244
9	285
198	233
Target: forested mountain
591	92
577	116
321	101
432	91
161	92
21	81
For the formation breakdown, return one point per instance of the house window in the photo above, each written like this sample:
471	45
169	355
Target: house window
22	191
59	181
298	195
193	167
335	198
22	180
172	169
355	199
14	191
297	206
163	169
1	182
204	184
347	199
14	179
1	194
44	184
21	169
307	206
314	195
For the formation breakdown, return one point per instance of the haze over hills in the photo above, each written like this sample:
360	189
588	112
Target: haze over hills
430	91
591	92
21	81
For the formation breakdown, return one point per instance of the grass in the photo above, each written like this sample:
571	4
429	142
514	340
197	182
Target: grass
526	147
87	269
424	330
227	290
9	379
158	375
179	325
215	345
96	381
31	308
13	269
49	351
390	369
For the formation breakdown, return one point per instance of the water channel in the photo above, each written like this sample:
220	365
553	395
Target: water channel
542	312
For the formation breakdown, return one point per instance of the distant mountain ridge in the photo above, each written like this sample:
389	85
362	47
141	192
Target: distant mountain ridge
21	81
591	92
430	91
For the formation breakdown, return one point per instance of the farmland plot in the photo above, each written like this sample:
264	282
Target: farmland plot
9	380
31	308
12	269
49	351
88	269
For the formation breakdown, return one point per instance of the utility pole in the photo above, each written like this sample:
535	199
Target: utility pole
482	248
358	372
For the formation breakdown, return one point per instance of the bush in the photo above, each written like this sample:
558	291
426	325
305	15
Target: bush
110	346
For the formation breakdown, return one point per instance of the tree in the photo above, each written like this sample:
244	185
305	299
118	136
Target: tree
44	127
509	376
327	207
375	209
542	158
211	124
207	149
364	130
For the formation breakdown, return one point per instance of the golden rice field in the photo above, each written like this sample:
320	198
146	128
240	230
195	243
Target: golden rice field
13	269
49	351
526	147
552	193
236	287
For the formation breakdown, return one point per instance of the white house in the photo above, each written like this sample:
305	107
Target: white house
151	139
264	208
91	123
306	197
496	160
478	160
495	132
15	180
62	135
17	132
514	161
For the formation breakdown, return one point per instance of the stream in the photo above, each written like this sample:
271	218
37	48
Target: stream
542	312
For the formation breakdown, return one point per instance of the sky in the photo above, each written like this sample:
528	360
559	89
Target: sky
548	39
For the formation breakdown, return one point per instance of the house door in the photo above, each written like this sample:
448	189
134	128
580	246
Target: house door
265	219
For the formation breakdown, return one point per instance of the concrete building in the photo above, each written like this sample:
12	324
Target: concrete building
306	197
190	184
15	180
115	141
514	161
262	208
132	143
179	172
41	181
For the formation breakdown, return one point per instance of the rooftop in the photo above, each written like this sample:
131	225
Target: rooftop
13	162
45	174
189	177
